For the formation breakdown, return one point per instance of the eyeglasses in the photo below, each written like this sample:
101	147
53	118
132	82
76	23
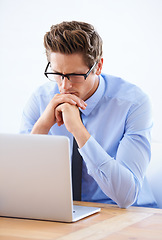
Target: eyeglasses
73	77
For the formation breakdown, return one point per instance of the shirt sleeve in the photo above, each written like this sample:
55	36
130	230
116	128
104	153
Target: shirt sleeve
121	178
30	115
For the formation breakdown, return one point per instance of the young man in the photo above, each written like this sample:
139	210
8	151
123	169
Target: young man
114	134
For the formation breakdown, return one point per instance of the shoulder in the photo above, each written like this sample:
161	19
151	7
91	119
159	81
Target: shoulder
119	89
46	90
42	95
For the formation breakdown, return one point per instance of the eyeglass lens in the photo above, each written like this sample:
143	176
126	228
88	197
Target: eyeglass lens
60	78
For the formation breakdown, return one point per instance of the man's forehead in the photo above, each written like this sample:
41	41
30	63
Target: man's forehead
67	63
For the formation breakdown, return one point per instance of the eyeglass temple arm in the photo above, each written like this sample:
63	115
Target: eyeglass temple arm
47	67
90	70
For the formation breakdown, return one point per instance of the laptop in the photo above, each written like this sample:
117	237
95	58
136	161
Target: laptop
35	179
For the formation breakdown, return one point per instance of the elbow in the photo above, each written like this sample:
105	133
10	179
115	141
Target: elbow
129	195
128	200
125	204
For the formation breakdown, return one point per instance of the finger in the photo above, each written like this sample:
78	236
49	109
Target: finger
69	98
59	123
59	99
79	102
58	115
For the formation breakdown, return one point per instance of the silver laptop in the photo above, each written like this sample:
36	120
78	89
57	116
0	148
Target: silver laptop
35	179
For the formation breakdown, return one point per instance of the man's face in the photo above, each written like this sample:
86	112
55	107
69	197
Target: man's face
74	63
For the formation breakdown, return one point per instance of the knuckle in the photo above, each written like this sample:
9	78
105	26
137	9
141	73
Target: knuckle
66	105
57	95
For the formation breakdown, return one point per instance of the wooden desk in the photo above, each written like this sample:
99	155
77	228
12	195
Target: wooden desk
111	223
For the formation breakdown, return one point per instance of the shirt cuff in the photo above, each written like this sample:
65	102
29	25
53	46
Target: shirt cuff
94	155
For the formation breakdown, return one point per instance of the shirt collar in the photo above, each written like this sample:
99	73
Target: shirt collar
95	98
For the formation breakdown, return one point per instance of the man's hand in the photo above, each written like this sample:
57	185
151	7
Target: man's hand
48	118
69	115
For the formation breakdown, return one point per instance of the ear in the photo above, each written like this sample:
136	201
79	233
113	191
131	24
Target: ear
99	67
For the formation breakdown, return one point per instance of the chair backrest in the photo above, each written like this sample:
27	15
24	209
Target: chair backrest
154	172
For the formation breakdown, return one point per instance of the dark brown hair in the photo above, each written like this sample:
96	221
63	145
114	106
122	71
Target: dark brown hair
74	37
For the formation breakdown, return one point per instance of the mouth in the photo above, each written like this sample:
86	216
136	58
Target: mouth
73	93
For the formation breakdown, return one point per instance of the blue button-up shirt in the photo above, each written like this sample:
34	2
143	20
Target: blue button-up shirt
116	156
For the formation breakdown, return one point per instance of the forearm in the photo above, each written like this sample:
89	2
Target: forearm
81	135
40	128
117	182
114	178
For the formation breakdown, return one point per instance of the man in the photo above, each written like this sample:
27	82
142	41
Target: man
113	135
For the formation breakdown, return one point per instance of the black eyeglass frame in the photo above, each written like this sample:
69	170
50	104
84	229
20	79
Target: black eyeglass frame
68	75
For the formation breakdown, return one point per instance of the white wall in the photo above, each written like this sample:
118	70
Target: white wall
132	35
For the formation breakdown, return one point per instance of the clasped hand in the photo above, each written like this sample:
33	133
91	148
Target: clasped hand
62	109
68	113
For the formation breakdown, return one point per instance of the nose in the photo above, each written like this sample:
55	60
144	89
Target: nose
66	84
